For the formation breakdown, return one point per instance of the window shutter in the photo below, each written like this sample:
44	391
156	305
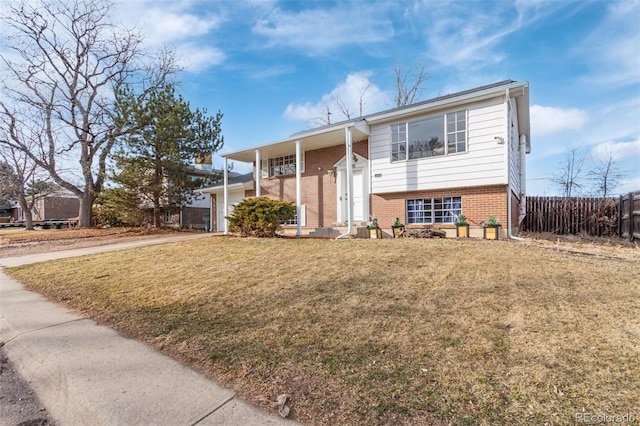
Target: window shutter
302	162
264	169
303	215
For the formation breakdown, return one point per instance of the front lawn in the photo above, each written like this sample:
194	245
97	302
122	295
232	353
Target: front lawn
379	331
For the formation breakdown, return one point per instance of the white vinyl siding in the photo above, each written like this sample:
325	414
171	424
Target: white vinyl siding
482	164
514	148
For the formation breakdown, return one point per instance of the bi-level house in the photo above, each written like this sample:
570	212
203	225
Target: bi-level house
424	163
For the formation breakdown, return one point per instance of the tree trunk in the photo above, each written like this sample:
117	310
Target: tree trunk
85	210
26	211
156	212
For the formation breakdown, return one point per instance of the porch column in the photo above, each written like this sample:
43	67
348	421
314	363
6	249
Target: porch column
298	189
225	207
349	148
258	172
211	213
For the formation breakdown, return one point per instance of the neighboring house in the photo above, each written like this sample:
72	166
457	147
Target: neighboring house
61	204
194	213
238	187
58	204
425	163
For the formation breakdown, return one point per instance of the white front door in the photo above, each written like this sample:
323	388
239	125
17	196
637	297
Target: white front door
358	196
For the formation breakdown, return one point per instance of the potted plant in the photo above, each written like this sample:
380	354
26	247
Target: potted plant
491	229
462	227
397	228
374	229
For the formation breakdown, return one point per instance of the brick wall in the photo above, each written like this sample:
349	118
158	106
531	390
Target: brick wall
318	186
477	204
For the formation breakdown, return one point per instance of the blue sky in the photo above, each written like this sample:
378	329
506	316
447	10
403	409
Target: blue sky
272	67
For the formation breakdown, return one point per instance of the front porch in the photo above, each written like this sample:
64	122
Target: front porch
325	173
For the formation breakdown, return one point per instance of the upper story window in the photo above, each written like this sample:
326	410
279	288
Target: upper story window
426	137
285	165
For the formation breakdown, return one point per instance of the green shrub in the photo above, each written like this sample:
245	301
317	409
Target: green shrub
260	216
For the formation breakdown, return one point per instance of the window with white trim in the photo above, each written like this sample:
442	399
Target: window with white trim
280	166
457	132
426	137
294	220
168	217
433	210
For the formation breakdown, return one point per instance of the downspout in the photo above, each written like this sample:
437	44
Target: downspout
523	176
349	149
508	147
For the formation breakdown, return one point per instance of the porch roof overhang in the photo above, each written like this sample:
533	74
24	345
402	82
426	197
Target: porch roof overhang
321	137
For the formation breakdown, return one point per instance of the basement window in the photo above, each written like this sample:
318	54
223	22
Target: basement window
428	211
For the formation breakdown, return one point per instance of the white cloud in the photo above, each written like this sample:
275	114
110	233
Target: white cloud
619	150
196	58
317	31
546	120
348	95
627	185
176	25
165	26
467	35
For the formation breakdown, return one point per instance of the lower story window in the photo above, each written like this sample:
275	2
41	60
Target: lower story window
294	220
168	217
433	210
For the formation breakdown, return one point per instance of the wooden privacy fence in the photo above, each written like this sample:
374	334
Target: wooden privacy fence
570	215
629	217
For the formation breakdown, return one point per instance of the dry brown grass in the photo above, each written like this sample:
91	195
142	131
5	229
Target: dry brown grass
11	235
379	331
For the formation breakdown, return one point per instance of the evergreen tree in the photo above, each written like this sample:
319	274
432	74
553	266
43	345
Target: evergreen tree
153	161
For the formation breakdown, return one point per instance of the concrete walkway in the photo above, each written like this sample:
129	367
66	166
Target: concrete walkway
85	373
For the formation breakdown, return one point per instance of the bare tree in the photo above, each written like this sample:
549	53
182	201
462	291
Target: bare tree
19	182
408	85
342	107
569	176
606	172
65	60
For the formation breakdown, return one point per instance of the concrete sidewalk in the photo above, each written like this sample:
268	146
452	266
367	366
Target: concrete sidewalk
85	373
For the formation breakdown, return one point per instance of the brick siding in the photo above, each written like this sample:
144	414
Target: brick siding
477	204
318	186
